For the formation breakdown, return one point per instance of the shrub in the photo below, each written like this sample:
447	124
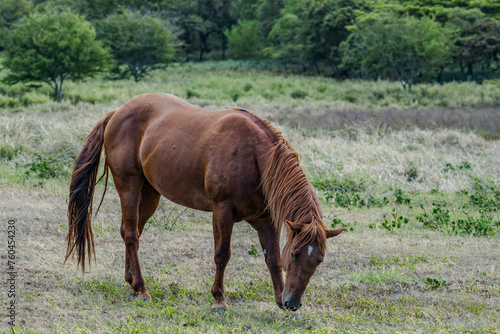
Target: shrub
435	283
46	167
439	218
349	227
395	223
347	193
247	87
298	94
253	250
400	197
486	195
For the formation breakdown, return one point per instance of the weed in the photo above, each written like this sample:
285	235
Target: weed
486	195
440	219
247	87
234	94
10	151
348	193
395	223
191	93
166	217
253	250
322	88
437	217
298	94
46	167
350	98
463	165
411	173
448	167
337	185
435	283
349	227
400	197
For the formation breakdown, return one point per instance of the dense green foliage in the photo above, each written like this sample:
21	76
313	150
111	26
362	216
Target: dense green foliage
137	42
406	47
49	47
409	41
245	40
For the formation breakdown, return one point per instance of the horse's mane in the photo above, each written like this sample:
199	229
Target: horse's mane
288	193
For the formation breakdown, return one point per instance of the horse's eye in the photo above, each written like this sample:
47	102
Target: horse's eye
293	255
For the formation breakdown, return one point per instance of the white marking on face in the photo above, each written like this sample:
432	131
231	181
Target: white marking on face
265	252
309	250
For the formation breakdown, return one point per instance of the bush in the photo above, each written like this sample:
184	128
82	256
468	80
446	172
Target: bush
486	195
298	94
45	167
348	193
439	218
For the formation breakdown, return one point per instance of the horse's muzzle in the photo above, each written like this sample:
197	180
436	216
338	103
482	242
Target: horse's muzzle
291	304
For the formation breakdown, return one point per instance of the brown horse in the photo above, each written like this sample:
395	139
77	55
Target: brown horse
230	162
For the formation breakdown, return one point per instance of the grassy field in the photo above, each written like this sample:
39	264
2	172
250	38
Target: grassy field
417	187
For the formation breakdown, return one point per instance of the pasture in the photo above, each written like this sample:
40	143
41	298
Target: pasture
421	251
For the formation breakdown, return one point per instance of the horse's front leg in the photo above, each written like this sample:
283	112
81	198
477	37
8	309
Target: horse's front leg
223	223
269	240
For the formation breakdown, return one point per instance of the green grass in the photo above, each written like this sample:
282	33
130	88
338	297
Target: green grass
384	274
219	83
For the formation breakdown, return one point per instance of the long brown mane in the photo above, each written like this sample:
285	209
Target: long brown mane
289	194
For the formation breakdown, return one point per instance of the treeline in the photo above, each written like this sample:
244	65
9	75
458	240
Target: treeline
405	40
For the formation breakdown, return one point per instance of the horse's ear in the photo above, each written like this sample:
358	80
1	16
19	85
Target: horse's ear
296	227
333	233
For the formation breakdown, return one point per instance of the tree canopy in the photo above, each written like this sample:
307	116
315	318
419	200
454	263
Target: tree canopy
404	47
415	40
49	47
137	42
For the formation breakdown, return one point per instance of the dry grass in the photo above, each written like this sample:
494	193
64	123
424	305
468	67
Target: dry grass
411	280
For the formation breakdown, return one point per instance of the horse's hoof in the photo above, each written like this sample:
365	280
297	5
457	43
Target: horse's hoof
219	309
294	315
143	297
133	293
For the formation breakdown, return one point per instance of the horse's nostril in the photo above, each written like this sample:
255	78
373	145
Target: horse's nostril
286	303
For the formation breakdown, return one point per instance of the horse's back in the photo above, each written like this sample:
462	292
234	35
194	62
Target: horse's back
190	155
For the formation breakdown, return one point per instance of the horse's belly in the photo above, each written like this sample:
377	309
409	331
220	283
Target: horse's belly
179	177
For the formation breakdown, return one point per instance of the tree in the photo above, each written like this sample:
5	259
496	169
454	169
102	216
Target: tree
481	46
309	32
405	47
50	47
202	22
10	12
245	40
137	42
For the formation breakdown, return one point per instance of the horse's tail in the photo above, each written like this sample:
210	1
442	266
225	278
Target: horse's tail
81	193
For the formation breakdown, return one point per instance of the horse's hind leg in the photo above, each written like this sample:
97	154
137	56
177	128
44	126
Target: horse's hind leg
148	204
133	221
223	222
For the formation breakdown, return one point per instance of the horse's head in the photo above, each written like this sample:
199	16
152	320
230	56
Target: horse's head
302	254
